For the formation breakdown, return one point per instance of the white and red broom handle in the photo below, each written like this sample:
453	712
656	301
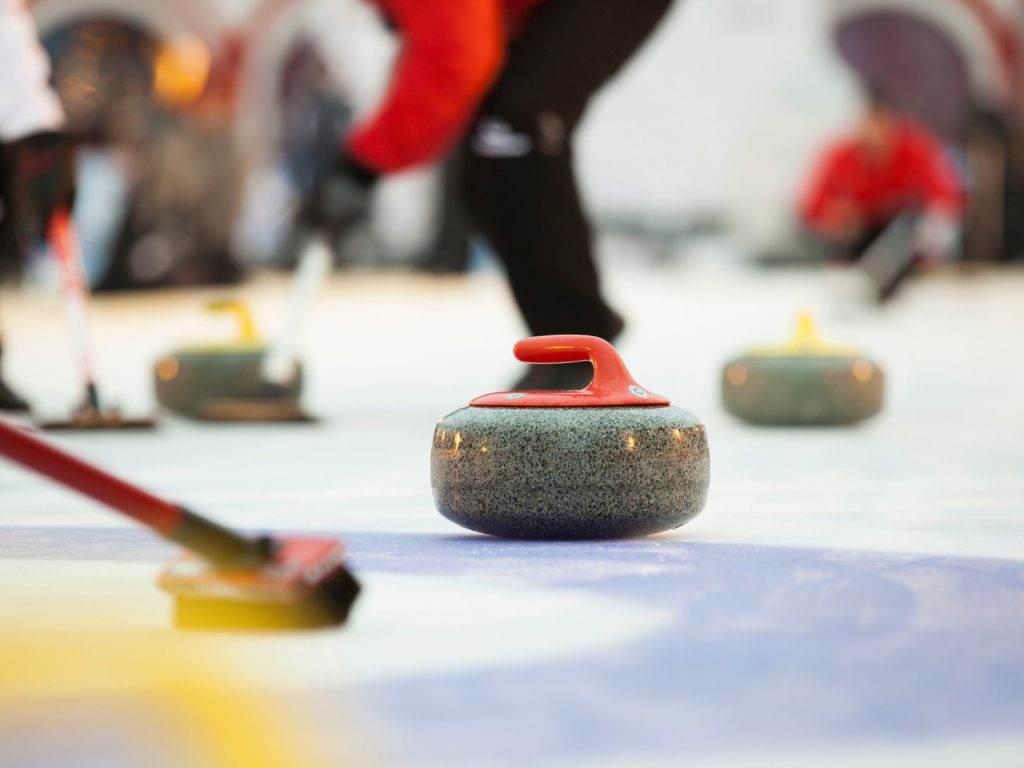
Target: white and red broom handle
279	364
64	241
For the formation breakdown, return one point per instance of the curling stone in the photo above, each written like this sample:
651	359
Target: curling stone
612	460
803	383
227	382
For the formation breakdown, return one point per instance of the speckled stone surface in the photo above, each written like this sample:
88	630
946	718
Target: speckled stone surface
802	390
570	473
202	378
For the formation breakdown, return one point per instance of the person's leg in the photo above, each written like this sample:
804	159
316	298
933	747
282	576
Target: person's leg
887	256
879	260
520	183
449	252
10	259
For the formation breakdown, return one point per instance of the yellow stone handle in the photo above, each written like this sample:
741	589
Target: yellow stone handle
806	337
805	341
246	326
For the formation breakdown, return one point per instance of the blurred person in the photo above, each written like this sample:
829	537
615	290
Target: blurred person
889	170
511	80
36	157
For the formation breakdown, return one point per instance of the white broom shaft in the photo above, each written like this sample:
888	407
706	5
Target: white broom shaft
314	264
64	240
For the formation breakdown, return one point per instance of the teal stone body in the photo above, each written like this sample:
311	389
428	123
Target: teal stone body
570	473
204	378
802	390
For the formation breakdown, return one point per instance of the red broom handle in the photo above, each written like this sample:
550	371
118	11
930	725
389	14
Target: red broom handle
19	446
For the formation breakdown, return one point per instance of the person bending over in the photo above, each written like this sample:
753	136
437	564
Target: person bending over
510	80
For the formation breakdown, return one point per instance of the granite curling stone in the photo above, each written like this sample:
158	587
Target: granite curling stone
803	383
612	460
225	382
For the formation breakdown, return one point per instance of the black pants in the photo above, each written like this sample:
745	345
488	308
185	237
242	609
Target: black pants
519	179
10	255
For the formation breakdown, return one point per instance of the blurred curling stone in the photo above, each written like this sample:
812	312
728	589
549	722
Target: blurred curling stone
803	383
612	460
247	380
226	382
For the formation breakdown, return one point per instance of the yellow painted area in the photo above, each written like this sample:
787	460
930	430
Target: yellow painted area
192	709
805	343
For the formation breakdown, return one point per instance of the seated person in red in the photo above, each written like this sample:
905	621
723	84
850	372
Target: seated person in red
889	168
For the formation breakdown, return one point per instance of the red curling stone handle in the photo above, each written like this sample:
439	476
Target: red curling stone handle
22	448
612	384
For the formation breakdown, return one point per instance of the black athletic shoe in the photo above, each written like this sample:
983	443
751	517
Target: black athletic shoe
10	401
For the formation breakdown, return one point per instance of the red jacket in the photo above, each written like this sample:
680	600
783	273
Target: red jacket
452	50
916	173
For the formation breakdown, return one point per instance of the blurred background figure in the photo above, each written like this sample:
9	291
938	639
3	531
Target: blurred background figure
930	164
954	68
505	70
201	124
148	95
36	158
203	120
889	168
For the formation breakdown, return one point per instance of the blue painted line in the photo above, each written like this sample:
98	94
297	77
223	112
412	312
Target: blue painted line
769	648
